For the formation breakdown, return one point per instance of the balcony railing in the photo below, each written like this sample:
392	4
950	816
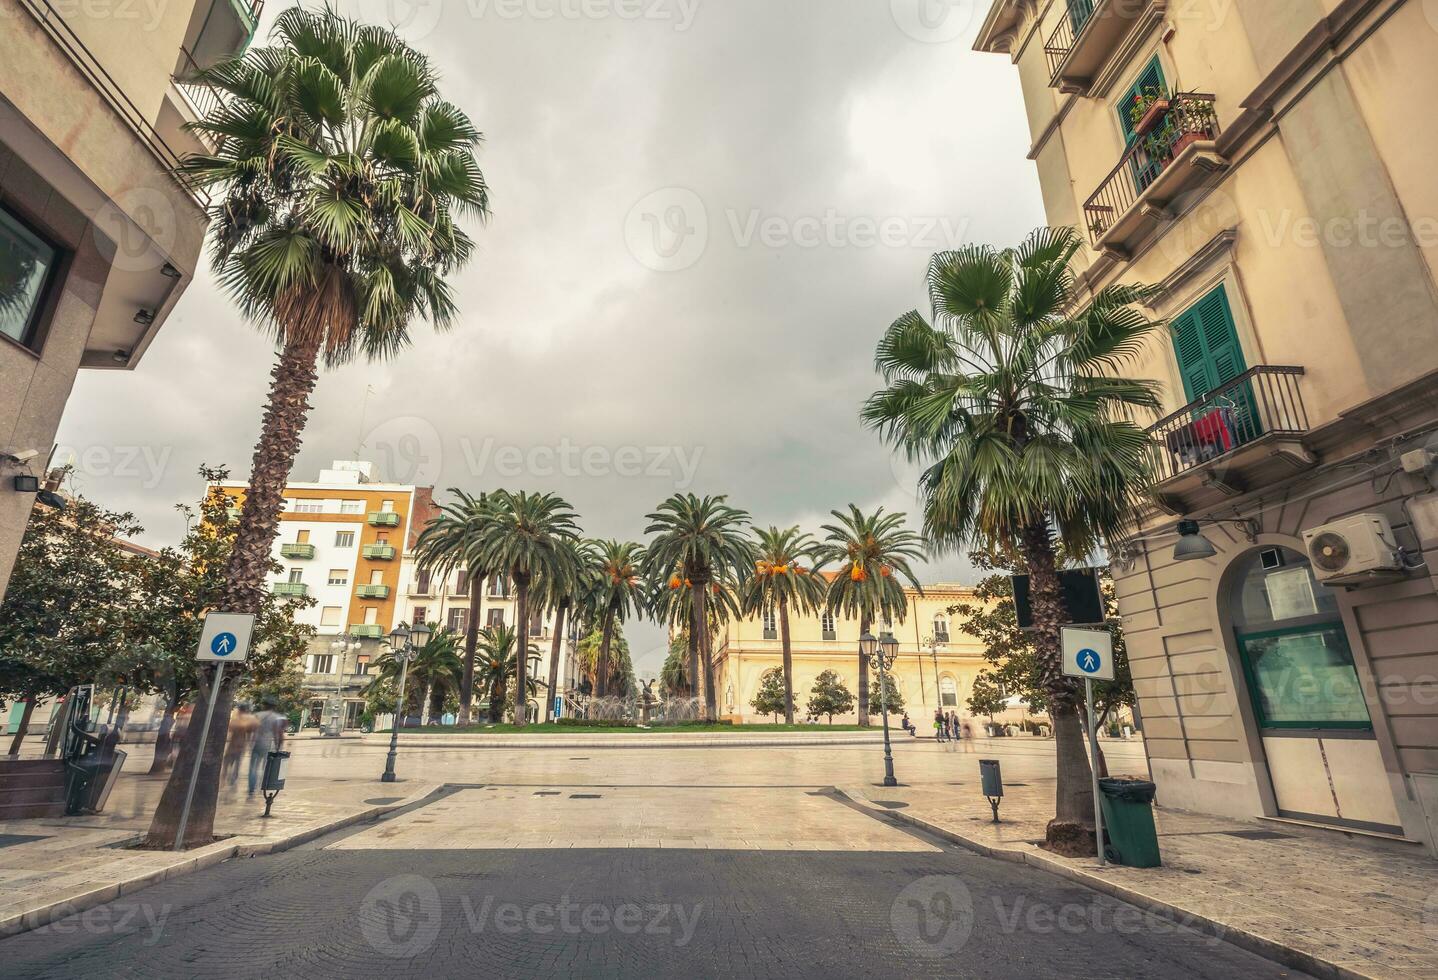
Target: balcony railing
366	631
383	518
63	35
378	552
290	588
1263	401
373	591
204	99
1164	133
297	550
1071	25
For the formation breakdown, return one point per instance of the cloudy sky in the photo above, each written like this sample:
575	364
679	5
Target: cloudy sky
705	213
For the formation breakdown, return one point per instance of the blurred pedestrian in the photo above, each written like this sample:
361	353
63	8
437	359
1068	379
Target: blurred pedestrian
243	725
269	737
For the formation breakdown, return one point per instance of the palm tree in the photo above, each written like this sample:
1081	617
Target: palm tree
559	592
673	604
1014	399
698	541
497	646
529	536
337	180
619	593
873	552
781	580
453	539
433	674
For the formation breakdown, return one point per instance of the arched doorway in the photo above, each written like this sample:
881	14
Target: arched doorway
1305	696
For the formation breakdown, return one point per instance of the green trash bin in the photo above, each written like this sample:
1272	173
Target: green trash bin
1128	819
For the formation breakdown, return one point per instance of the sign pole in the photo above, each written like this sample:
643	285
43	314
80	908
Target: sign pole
200	753
1093	767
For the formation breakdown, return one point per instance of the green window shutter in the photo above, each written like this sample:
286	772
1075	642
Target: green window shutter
1150	77
1205	340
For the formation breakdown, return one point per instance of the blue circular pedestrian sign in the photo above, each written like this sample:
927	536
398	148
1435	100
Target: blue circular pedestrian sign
223	644
1089	661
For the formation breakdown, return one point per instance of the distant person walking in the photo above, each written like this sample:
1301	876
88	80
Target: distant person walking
968	736
939	734
243	724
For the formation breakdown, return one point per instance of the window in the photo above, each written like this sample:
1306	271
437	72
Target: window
302	537
461	583
771	628
420	615
948	692
344	539
826	623
322	663
536	625
1151	78
376	577
422	586
941	630
309	506
351	506
296	575
371	615
499	586
387	506
330	616
496	618
339	576
27	269
458	620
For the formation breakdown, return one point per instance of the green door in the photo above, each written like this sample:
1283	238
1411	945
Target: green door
1144	169
1209	356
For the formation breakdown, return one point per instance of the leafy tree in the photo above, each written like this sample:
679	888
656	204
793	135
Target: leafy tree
66	612
989	696
498	664
873	553
531	537
590	651
451	540
1015	400
783	577
698	544
829	696
285	691
773	696
673	676
560	592
337	178
895	696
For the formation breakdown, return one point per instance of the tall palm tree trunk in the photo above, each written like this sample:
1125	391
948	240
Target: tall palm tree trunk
701	634
864	625
554	649
471	639
601	666
294	377
788	660
693	678
1071	830
521	655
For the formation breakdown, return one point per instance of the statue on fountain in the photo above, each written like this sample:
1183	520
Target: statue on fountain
647	700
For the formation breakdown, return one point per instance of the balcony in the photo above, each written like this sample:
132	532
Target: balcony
366	631
1247	433
383	518
1173	152
1087	37
372	591
225	30
298	551
378	552
290	589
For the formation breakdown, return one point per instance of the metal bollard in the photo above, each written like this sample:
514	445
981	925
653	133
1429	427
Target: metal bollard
992	782
276	765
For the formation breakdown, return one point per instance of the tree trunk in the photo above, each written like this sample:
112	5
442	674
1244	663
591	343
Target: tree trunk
864	625
471	639
1071	830
294	378
24	726
693	679
424	703
554	649
701	632
601	663
788	660
521	656
436	703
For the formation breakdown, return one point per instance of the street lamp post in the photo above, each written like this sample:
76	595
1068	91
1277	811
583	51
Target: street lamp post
341	646
406	644
882	653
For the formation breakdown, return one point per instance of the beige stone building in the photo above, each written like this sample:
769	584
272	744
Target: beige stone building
1269	166
98	239
936	664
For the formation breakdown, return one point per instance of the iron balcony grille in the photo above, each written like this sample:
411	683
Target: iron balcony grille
205	100
1183	118
63	35
1263	401
1071	26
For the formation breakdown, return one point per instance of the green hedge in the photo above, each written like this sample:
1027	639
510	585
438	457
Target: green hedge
631	723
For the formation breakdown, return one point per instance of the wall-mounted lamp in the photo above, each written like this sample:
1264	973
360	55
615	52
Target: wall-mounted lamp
144	317
169	271
121	357
1192	545
26	483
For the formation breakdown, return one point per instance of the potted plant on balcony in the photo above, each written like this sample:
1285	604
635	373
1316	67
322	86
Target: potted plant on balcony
1149	107
1191	120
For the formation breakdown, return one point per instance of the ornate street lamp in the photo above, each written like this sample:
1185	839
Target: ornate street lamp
406	644
881	654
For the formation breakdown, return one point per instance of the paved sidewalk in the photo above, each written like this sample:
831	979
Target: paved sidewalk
1312	899
53	867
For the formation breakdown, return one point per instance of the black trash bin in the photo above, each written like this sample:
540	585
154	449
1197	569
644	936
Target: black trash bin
1128	818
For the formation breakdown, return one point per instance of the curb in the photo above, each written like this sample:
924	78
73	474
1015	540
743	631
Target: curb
624	742
195	860
1267	948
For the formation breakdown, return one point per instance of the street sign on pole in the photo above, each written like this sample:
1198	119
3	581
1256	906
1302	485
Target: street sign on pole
225	637
1089	654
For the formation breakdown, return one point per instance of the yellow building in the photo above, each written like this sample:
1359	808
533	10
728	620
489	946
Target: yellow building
1268	165
936	665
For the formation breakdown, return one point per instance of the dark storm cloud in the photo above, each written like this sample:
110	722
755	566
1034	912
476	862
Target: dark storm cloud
704	216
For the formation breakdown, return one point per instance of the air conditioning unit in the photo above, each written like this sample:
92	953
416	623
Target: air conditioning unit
1357	550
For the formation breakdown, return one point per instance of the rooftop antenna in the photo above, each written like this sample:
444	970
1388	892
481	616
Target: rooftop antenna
364	408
